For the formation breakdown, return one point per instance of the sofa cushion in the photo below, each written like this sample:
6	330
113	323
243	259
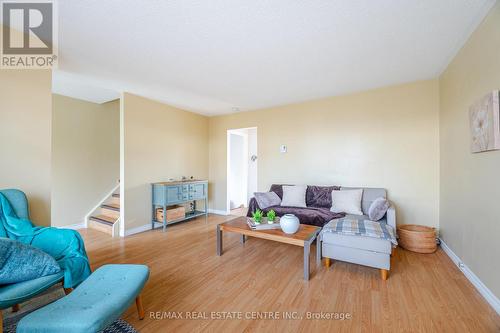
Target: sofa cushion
363	217
21	262
294	196
348	202
267	199
356	217
320	196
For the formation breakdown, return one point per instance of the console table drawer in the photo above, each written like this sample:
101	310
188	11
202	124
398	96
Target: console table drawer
173	194
197	191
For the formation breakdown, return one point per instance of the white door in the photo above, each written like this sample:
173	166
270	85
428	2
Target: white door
241	166
237	171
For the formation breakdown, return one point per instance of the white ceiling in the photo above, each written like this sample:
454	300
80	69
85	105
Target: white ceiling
77	86
214	56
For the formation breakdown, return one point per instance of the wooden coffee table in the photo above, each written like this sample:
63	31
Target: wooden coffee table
304	237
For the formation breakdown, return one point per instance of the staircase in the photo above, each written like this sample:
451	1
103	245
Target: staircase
106	216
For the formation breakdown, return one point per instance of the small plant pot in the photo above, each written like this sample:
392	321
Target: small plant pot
256	222
270	222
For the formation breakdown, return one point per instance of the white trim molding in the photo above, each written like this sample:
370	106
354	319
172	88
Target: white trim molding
480	286
75	226
122	165
142	228
137	230
217	212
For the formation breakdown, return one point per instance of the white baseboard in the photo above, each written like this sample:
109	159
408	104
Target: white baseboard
137	230
147	227
483	290
75	226
217	212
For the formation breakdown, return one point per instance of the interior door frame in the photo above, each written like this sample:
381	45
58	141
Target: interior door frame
236	131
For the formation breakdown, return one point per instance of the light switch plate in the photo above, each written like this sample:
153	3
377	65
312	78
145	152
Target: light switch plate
283	149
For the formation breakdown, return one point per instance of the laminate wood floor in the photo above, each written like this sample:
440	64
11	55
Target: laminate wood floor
424	293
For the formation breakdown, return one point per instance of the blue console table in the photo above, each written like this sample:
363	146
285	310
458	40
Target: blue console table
166	194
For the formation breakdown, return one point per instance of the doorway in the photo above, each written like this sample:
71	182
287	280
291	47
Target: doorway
241	169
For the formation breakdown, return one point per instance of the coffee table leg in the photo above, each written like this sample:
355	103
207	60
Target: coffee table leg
243	239
219	241
307	248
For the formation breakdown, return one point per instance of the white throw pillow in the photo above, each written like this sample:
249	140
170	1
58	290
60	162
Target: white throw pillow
348	201
294	196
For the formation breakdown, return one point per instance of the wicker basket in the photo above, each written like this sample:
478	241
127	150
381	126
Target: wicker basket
417	238
173	213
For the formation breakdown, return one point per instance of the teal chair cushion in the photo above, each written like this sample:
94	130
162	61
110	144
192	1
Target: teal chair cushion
93	305
13	294
21	262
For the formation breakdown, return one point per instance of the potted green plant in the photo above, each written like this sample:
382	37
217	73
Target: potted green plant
257	216
271	216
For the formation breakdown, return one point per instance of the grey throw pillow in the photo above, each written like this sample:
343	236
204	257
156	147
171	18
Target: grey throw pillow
20	262
267	199
378	208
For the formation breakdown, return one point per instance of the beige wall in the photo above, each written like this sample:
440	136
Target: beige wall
85	156
159	142
381	138
25	144
470	183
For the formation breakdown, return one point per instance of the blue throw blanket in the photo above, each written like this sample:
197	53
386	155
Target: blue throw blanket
65	245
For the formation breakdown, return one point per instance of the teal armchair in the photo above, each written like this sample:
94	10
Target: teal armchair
13	294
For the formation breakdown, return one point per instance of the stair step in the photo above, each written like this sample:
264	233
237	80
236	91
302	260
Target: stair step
116	195
100	226
112	206
108	220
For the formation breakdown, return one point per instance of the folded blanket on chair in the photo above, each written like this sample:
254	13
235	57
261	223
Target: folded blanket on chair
65	245
365	228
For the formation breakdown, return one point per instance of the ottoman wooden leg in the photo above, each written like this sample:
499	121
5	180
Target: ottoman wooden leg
327	262
140	309
15	308
384	273
67	291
